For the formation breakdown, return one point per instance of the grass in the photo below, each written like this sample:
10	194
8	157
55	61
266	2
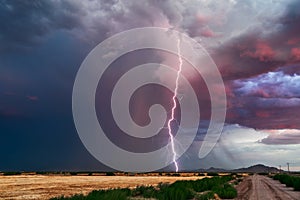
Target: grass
226	191
114	194
206	196
289	181
180	190
110	174
212	174
144	191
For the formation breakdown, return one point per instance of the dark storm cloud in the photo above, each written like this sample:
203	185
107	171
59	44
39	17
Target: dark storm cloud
262	48
246	56
270	100
36	86
290	70
26	22
251	114
261	70
105	18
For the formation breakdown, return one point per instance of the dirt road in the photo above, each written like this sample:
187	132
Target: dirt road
44	187
258	187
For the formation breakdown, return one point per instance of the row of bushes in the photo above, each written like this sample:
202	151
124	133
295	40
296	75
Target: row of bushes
106	173
289	181
180	190
73	173
11	173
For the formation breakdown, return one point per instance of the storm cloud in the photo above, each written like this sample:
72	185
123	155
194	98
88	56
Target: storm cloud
282	137
255	44
27	22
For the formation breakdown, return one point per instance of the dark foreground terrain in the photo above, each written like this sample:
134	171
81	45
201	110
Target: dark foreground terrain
151	186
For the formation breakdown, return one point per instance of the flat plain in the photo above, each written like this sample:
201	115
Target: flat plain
46	186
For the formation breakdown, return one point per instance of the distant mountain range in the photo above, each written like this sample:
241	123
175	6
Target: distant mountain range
252	169
258	169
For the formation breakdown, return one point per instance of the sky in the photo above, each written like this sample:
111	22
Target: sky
254	43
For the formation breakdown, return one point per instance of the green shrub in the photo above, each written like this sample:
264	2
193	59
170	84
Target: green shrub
41	173
175	192
115	194
206	196
179	190
208	183
162	186
11	173
289	181
75	197
226	191
212	174
110	174
263	173
176	174
145	191
297	184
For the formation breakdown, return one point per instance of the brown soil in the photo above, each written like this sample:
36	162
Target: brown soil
258	187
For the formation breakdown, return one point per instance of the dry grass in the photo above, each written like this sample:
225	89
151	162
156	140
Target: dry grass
44	187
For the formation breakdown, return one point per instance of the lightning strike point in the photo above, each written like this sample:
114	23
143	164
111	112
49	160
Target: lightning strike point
175	105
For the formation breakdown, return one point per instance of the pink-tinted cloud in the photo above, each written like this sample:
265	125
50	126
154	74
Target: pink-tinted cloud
251	115
262	114
32	98
293	41
207	32
262	51
282	137
295	54
258	51
245	57
202	19
260	92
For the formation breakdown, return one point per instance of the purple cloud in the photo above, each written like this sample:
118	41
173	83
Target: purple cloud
270	85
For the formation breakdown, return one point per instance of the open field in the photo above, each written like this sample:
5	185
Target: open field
215	187
44	187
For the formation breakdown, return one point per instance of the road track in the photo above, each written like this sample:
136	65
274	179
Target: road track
258	187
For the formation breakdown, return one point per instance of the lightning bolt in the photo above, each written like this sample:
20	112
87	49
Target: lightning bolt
175	105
